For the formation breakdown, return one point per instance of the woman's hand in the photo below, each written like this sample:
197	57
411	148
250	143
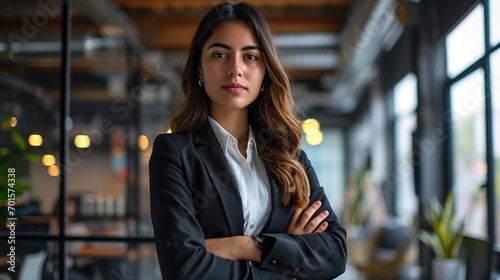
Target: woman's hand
303	222
234	248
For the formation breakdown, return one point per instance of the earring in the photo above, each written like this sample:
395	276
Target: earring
262	88
200	83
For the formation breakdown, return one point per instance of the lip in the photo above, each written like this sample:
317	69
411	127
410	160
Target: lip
234	87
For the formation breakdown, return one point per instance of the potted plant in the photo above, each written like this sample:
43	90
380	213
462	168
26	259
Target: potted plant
445	239
16	150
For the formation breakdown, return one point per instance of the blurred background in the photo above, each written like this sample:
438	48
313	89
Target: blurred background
402	100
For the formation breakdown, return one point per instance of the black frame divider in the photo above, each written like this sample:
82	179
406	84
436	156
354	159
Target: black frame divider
64	125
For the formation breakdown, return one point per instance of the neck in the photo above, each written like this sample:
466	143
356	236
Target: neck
234	122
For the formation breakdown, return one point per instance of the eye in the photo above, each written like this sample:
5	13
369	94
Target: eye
219	55
251	57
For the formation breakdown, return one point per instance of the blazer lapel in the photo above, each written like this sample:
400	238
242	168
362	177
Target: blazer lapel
280	215
220	174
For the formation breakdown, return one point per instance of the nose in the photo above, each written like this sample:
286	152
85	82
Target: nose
235	68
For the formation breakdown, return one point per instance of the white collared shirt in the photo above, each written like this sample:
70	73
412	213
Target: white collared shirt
251	177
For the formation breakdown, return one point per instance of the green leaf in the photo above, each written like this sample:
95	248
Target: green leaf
432	241
18	140
6	123
446	238
31	156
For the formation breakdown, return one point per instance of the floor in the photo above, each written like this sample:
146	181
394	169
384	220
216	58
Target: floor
410	273
349	274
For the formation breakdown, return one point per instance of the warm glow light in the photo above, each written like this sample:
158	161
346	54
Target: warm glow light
143	142
35	140
13	122
82	141
53	170
314	138
310	126
169	130
48	160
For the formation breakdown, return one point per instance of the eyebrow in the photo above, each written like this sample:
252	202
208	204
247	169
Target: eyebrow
227	47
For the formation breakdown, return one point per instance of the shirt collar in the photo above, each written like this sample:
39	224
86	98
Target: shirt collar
223	137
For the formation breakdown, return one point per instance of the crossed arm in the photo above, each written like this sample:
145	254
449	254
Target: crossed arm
308	248
239	248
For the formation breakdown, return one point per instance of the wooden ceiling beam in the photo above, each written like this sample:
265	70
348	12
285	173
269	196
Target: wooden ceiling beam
175	33
205	4
53	25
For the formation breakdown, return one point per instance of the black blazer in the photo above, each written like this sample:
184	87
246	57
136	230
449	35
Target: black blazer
194	196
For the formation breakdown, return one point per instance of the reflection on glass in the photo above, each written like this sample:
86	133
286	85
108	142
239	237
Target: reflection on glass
495	101
494	22
465	43
469	151
405	104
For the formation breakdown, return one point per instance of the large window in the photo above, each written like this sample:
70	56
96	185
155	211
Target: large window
494	22
469	151
465	44
469	57
495	101
328	161
405	105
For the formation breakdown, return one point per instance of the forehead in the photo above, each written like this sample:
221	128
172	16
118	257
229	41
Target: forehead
232	33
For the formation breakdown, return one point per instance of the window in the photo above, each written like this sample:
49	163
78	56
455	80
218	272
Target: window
495	101
494	22
465	44
405	104
328	161
469	151
468	55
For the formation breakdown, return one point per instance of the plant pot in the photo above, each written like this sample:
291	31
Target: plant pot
448	269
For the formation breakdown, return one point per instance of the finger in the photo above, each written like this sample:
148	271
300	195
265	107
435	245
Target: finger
322	227
313	223
292	225
296	214
308	213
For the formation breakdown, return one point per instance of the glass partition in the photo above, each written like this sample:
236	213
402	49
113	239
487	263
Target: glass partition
119	101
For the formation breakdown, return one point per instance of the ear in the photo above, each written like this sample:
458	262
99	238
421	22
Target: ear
200	74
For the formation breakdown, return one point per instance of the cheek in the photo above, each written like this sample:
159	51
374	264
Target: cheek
211	72
256	73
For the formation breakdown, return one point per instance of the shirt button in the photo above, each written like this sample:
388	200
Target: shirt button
234	142
274	262
252	226
296	270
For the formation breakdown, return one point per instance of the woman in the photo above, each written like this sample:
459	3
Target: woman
230	187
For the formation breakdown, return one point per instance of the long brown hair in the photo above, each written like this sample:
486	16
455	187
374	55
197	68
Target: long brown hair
273	115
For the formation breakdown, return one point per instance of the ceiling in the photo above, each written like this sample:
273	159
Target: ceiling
312	36
168	27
